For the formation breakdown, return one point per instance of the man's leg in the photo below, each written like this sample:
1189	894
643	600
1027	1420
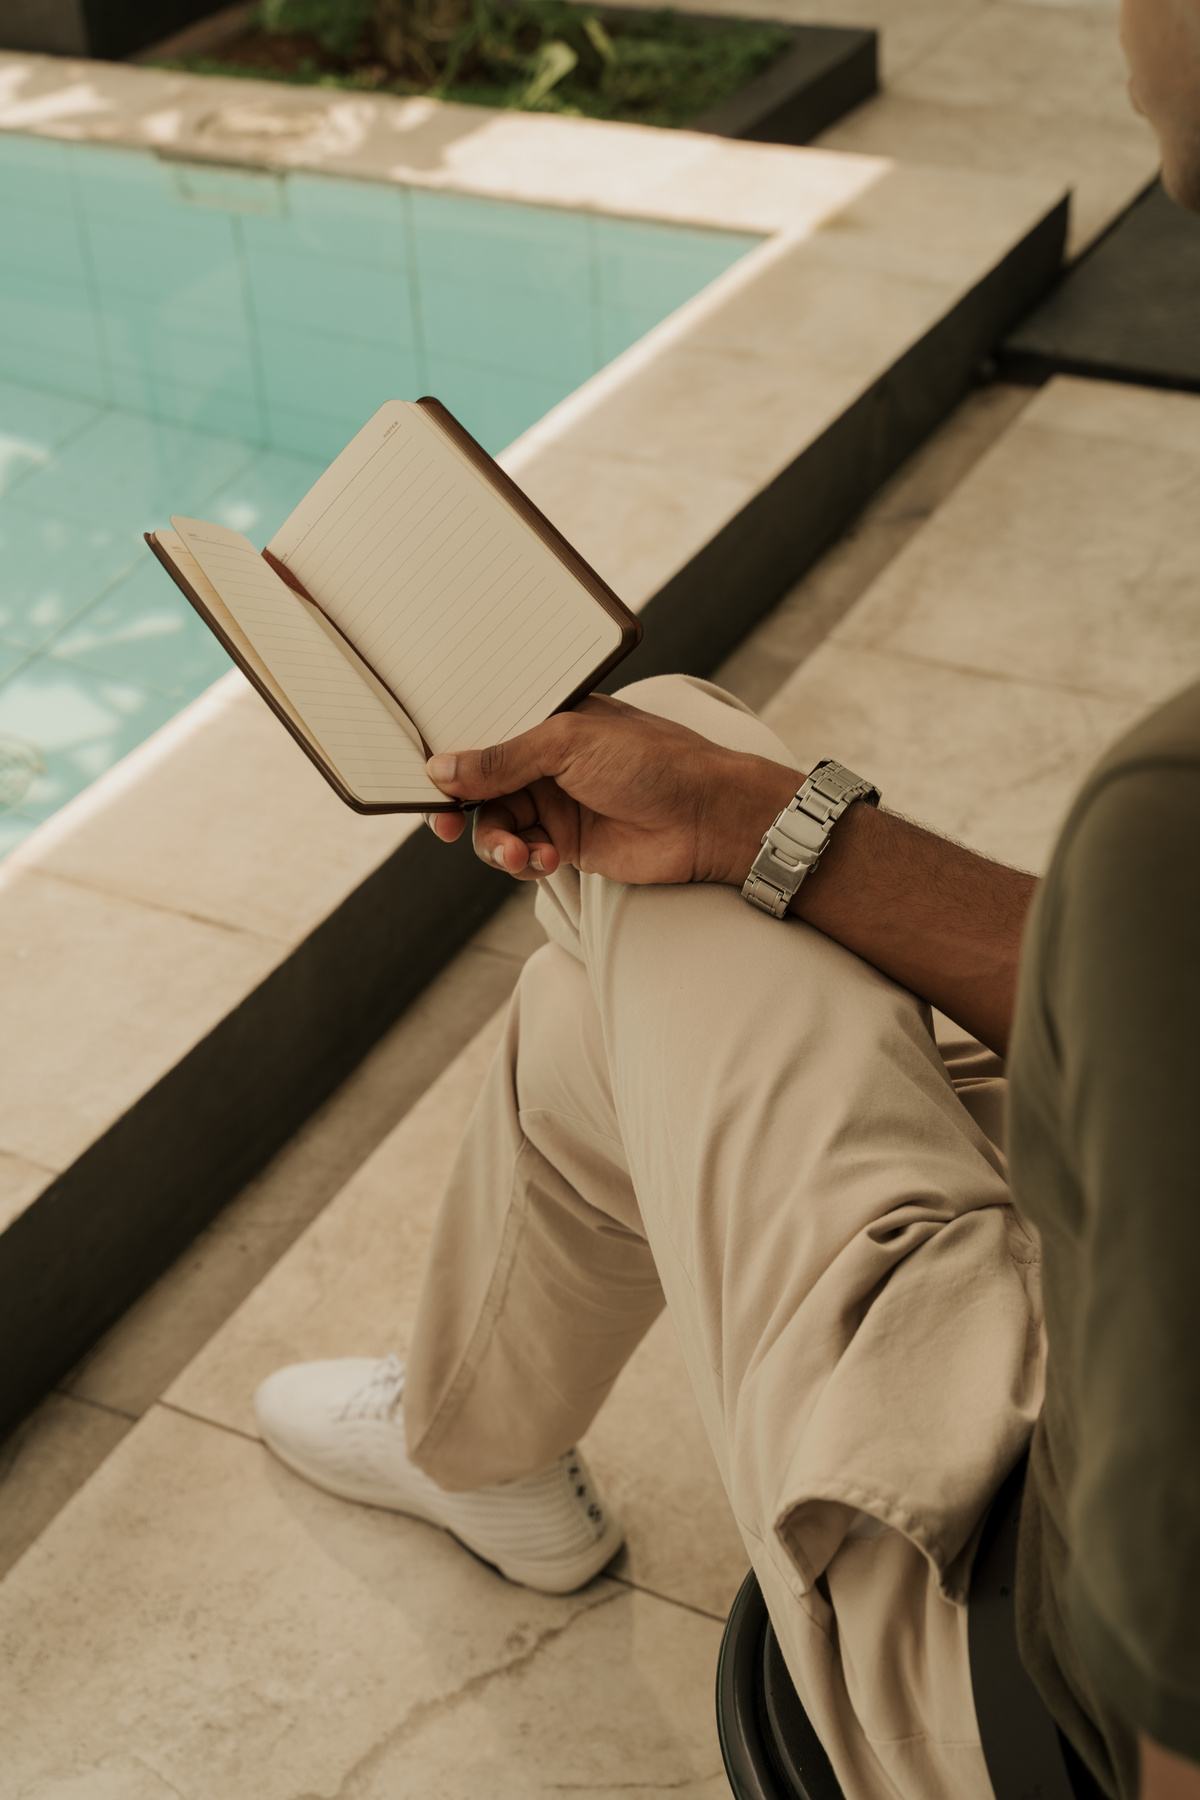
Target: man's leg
540	1282
700	1096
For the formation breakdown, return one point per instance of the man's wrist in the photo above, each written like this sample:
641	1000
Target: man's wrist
761	793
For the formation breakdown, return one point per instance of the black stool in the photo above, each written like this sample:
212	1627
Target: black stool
772	1752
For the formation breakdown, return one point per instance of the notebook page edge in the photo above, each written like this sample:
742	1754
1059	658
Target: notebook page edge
179	553
334	480
310	738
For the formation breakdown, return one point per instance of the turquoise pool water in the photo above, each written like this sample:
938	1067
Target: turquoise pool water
179	338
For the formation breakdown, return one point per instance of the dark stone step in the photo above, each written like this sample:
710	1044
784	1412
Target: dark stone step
1128	310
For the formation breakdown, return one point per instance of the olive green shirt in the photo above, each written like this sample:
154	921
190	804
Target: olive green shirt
1105	1162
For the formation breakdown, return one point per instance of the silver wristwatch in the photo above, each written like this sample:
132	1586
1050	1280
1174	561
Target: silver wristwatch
793	846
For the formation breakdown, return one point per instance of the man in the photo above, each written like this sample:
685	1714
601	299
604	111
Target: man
750	1117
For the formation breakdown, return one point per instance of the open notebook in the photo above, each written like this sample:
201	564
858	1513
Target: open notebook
415	601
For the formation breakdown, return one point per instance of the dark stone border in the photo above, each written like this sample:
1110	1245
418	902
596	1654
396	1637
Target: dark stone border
829	70
109	1225
1128	310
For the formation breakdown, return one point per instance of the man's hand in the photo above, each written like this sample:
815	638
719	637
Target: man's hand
615	791
623	793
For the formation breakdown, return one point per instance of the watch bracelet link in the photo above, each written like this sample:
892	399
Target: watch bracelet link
795	843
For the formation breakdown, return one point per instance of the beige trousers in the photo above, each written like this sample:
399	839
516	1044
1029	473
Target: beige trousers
696	1103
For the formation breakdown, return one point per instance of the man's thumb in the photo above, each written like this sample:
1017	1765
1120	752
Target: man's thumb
505	768
482	774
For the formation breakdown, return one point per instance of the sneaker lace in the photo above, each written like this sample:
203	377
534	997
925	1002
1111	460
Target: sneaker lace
379	1394
583	1493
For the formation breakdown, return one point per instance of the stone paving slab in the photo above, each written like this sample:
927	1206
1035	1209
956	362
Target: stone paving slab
1047	605
1028	89
198	1624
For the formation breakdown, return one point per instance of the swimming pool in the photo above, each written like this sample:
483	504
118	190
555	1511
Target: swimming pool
178	337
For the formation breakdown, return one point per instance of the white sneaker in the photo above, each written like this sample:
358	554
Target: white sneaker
340	1425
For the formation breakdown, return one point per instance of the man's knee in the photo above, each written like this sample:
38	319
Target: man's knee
706	708
677	696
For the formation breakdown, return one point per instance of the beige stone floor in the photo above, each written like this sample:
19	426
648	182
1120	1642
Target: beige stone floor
195	1621
1016	87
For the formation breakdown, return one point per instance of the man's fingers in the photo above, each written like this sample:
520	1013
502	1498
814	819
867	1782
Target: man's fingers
508	835
448	826
505	768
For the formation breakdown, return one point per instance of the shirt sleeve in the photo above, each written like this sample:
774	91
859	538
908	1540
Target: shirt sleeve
1125	1006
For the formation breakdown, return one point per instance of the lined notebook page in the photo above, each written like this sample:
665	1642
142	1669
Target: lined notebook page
192	573
460	607
374	752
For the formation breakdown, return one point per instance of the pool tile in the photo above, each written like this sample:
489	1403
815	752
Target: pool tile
153	342
39	240
334	376
38	312
324	293
495	406
659	267
259	497
131	473
210	410
114	183
39	171
522	247
32	425
331	217
143	631
82	378
80	723
548	334
52	568
196	261
130	323
303	434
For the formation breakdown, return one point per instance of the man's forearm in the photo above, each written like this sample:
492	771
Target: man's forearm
939	919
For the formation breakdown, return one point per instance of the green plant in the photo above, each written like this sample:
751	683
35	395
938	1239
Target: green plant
338	25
